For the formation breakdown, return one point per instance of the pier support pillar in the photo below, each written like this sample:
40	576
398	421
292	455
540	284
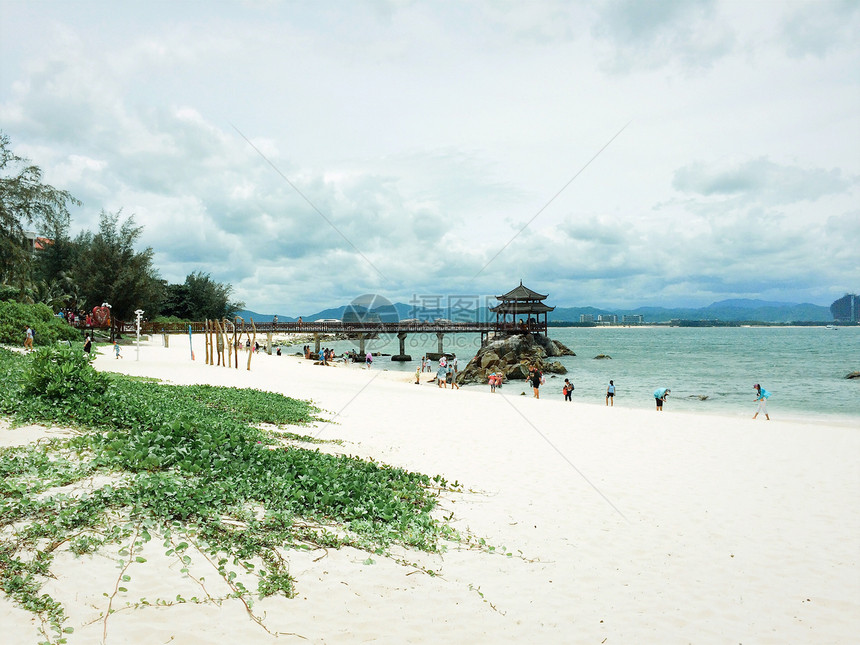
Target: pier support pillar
361	344
402	356
317	342
440	335
269	343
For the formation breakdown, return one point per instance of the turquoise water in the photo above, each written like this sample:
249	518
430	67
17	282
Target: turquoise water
803	367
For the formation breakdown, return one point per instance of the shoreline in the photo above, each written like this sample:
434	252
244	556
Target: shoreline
622	524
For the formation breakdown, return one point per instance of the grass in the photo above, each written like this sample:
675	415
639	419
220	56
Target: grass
191	466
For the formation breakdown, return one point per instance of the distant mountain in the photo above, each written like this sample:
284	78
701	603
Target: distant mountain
248	315
734	310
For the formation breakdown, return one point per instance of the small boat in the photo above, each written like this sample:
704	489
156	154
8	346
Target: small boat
833	327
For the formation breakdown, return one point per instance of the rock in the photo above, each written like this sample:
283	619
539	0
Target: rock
402	358
701	397
512	356
853	375
602	356
488	358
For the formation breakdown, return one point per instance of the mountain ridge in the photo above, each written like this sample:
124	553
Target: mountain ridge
731	310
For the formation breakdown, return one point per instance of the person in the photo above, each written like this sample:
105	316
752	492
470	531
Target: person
28	338
449	378
492	380
443	361
610	394
762	396
423	364
535	376
368	360
116	350
567	389
418	371
429	364
454	363
660	395
441	375
278	352
88	343
322	356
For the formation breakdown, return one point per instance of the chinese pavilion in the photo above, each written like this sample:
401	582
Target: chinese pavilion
524	306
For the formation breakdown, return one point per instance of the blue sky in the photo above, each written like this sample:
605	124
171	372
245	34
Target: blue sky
421	148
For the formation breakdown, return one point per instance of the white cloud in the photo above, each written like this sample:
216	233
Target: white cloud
427	136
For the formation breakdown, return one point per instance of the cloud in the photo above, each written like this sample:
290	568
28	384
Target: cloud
762	180
814	30
650	34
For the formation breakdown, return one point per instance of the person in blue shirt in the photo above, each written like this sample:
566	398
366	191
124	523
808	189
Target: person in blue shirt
660	395
761	396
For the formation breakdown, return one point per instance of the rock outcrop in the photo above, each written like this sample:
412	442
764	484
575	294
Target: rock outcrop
853	375
512	356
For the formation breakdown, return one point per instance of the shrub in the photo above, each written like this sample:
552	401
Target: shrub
63	374
15	316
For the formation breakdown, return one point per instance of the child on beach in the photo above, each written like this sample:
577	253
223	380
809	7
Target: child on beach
492	380
116	349
567	390
610	394
762	396
418	371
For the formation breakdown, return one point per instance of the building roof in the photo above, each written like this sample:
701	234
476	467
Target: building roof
522	293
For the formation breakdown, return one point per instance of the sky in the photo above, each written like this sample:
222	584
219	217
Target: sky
614	154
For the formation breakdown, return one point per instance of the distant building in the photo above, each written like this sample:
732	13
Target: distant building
607	319
586	318
632	319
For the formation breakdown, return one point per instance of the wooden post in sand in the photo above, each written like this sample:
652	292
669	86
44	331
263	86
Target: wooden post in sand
219	342
236	340
252	345
207	342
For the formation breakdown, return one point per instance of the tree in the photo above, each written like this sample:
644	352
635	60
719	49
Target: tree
25	202
199	298
106	268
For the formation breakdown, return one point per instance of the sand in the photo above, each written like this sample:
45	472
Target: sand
623	525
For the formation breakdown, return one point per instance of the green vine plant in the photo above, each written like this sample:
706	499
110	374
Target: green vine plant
203	469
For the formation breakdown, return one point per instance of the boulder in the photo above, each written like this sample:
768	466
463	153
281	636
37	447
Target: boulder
512	356
602	356
853	375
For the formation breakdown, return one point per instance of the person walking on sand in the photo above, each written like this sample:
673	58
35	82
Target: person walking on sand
762	396
536	377
116	350
660	395
368	360
418	371
451	377
567	390
441	375
423	364
491	379
610	394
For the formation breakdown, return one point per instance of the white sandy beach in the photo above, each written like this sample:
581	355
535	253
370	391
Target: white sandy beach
626	526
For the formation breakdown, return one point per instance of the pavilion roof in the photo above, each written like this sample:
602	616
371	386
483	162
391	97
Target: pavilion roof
522	293
521	307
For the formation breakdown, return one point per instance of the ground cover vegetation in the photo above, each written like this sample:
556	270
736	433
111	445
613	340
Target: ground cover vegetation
191	466
41	263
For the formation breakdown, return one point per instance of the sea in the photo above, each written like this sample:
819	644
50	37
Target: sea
708	369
